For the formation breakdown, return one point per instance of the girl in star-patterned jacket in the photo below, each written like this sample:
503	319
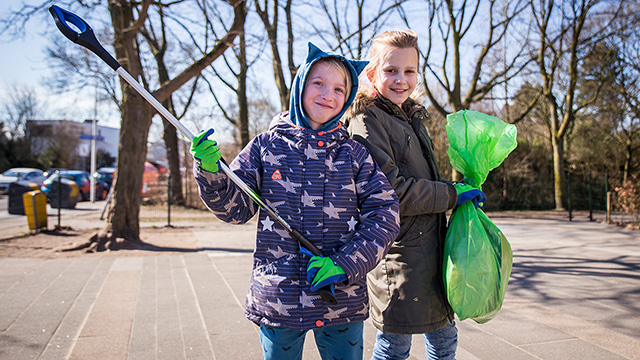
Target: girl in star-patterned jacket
329	188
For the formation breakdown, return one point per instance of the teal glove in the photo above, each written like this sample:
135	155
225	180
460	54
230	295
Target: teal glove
322	271
206	152
469	193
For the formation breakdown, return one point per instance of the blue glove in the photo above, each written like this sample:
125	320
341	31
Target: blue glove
206	152
322	271
469	193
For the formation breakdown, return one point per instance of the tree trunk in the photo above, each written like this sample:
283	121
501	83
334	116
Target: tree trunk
557	144
243	103
628	156
170	138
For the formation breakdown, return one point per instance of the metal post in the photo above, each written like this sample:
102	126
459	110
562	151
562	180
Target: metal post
59	195
569	195
606	192
590	201
608	208
93	179
169	201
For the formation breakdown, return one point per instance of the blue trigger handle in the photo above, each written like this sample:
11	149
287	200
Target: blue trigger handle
205	136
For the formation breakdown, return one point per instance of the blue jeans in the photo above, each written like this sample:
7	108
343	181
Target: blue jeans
333	342
439	344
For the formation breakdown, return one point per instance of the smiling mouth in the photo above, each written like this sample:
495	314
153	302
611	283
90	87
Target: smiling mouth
324	106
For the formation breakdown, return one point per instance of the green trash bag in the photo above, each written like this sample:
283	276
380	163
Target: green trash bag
477	256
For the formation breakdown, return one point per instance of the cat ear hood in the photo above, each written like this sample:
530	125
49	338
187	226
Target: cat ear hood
296	113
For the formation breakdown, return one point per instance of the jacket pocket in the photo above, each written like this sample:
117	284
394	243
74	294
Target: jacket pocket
273	281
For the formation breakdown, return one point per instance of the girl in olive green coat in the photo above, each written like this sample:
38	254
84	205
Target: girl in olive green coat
406	290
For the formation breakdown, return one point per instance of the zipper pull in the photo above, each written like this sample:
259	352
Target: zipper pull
409	140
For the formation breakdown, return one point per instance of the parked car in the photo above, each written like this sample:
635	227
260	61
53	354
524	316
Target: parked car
105	174
27	174
52	171
82	179
150	176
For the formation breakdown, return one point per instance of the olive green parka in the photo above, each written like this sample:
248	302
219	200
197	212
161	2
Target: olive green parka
406	289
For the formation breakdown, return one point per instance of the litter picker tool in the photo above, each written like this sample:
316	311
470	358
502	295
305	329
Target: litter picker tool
82	34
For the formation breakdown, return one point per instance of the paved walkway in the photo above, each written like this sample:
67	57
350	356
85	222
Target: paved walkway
574	293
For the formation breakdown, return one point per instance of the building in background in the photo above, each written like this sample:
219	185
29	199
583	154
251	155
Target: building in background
67	143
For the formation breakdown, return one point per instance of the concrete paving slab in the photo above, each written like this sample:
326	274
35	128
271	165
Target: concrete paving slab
573	294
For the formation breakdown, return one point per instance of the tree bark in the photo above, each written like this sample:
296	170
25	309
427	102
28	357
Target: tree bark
557	144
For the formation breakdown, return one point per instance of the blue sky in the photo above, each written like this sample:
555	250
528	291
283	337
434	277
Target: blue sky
23	64
23	60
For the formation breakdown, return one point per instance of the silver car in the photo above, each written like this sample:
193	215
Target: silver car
27	174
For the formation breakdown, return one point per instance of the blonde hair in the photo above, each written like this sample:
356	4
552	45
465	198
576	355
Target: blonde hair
338	65
383	44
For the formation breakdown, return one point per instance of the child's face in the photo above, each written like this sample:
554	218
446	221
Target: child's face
397	75
324	94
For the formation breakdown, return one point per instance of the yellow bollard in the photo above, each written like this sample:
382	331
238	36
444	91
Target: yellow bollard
35	207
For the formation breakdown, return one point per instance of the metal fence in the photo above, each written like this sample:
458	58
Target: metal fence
585	193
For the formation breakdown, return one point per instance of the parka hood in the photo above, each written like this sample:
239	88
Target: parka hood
296	113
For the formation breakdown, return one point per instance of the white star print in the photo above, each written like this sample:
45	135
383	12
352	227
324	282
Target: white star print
385	195
288	185
275	204
352	224
351	187
333	211
332	165
308	200
334	314
262	279
346	237
250	298
230	205
364	311
311	153
369	160
396	215
267	224
380	253
277	253
273	159
280	308
307	301
358	255
350	291
276	279
361	185
282	232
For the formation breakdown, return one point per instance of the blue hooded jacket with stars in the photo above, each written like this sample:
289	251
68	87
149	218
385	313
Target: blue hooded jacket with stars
328	187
